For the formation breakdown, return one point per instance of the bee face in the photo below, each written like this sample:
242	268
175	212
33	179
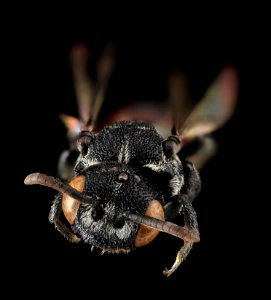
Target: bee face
116	189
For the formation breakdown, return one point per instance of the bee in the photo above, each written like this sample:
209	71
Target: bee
122	181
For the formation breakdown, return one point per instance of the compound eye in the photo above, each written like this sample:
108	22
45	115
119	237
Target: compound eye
146	234
70	205
84	140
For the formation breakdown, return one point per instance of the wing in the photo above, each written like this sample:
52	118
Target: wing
83	85
214	109
193	135
89	96
104	70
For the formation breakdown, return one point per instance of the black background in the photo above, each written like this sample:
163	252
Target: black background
41	83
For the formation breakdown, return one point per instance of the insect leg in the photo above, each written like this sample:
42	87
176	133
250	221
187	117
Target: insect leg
190	190
204	153
54	215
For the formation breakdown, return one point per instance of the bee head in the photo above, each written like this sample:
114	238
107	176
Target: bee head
112	206
115	190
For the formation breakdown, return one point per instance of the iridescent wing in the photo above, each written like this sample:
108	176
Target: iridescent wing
89	96
214	109
195	128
